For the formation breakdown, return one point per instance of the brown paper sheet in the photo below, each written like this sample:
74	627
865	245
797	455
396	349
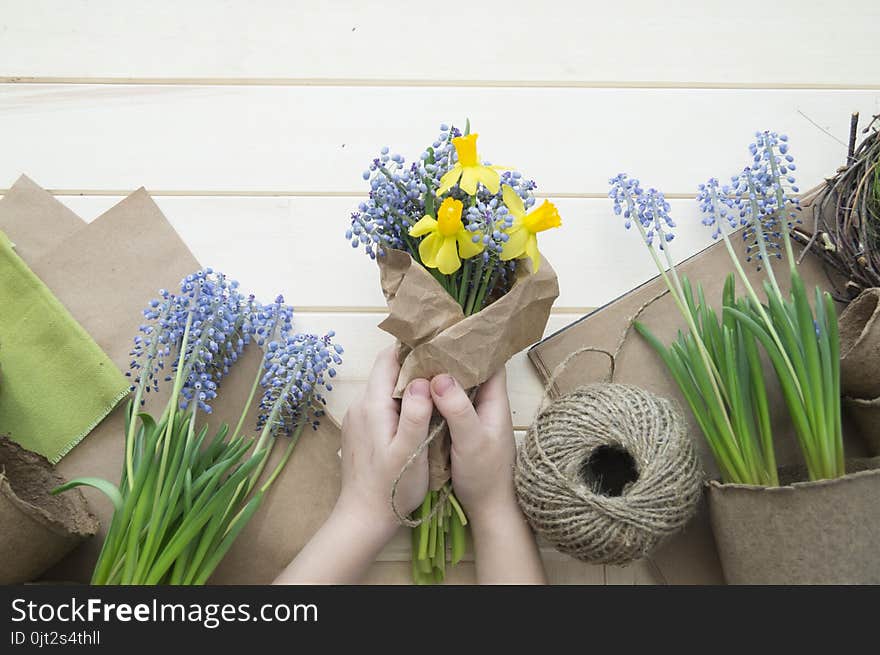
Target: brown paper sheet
105	273
35	221
689	557
438	338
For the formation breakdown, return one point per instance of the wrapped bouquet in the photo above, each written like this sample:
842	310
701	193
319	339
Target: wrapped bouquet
456	243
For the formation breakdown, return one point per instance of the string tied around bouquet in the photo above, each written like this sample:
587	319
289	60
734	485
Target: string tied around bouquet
437	427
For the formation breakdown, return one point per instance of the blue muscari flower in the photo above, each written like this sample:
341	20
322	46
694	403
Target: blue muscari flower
217	314
296	368
764	194
761	196
717	206
650	208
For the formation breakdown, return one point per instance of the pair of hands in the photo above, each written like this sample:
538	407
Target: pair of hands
379	434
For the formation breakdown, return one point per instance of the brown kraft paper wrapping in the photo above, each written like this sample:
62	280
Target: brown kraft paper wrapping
438	338
105	272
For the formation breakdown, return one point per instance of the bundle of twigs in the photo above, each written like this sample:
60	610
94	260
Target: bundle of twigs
846	215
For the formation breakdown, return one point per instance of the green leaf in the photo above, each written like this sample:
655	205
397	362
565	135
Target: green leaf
834	343
148	421
108	488
203	510
220	551
682	366
758	392
787	382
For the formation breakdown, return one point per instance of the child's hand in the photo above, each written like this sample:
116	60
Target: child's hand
378	436
483	454
483	448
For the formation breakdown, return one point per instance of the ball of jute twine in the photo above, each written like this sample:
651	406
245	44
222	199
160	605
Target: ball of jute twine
572	512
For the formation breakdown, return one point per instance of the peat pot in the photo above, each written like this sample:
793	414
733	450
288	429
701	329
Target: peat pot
823	532
36	528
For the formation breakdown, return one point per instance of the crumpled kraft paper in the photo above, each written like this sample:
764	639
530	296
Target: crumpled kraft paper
438	338
104	273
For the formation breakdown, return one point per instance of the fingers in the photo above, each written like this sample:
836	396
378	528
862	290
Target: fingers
383	376
455	406
415	415
492	402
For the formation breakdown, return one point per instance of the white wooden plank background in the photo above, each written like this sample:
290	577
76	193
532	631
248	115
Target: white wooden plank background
251	123
749	43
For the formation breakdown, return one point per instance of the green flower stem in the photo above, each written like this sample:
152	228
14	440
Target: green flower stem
489	279
432	529
759	307
708	378
678	297
129	440
424	528
453	501
173	401
248	403
677	291
294	438
138	397
759	232
162	505
457	538
780	203
464	282
472	296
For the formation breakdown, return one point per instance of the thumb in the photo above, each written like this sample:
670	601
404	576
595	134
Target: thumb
415	415
452	402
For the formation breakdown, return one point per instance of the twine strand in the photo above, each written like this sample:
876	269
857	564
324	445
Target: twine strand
443	497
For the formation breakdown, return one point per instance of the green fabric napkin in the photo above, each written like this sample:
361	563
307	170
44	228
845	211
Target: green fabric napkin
56	384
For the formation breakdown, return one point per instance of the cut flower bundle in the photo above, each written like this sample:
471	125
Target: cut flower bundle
184	496
456	242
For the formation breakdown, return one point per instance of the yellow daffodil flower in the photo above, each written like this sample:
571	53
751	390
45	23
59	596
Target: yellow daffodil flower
522	240
447	238
469	169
